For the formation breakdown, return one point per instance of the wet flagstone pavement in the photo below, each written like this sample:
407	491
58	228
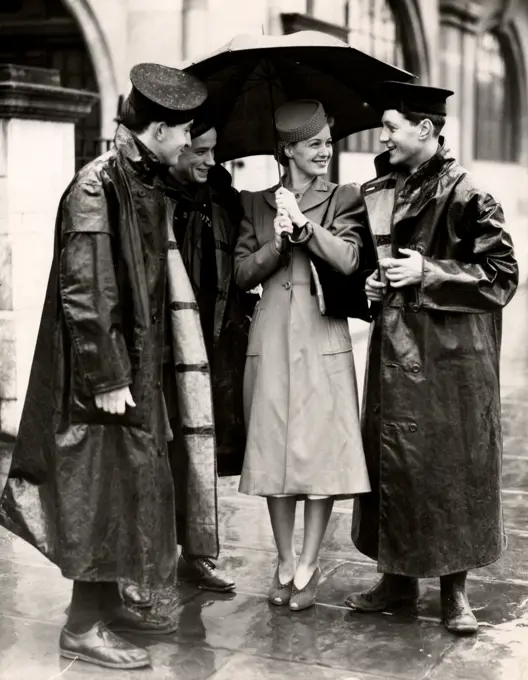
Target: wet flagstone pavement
241	637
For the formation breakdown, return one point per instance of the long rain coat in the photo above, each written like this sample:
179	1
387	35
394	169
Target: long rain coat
93	491
300	394
431	413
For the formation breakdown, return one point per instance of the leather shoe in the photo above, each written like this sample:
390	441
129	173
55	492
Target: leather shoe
204	573
130	620
390	592
457	616
135	595
101	647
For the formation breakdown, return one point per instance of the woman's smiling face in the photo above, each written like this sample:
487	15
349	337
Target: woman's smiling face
313	155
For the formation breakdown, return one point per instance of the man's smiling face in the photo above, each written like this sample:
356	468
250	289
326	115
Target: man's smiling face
196	160
401	137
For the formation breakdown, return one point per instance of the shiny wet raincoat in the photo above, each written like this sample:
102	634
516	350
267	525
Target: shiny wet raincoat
431	415
93	491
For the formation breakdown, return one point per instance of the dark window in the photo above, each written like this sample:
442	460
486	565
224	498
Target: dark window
451	59
495	109
373	28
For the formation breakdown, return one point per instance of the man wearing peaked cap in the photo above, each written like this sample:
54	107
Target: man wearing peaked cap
408	97
431	420
91	459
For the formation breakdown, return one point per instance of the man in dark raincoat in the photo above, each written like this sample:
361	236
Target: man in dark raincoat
90	483
207	214
431	421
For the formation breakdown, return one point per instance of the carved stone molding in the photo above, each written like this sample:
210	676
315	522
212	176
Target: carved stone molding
304	22
36	93
464	14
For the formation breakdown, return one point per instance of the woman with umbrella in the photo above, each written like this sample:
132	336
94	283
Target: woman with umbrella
300	394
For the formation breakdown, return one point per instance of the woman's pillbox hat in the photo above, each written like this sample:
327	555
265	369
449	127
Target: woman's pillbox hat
406	97
300	120
165	93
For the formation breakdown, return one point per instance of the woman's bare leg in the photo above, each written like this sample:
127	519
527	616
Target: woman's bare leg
282	516
316	516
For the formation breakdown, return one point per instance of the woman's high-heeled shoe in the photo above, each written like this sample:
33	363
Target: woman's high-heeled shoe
279	593
304	598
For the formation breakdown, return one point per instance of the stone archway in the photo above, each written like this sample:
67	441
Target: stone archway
102	62
64	35
417	52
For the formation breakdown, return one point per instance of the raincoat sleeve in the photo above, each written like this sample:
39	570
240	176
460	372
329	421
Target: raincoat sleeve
253	263
489	279
89	292
341	242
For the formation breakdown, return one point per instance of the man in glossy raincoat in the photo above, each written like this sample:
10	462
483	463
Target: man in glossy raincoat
431	421
90	483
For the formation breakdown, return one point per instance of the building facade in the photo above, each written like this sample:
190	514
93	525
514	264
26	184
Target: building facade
478	48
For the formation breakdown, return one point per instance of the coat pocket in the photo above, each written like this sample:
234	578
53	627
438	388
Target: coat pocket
336	336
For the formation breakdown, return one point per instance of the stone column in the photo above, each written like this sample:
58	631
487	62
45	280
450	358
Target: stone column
195	32
460	23
37	158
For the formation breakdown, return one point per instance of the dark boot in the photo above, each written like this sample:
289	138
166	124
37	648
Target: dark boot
204	573
101	647
121	617
85	636
457	616
390	592
135	596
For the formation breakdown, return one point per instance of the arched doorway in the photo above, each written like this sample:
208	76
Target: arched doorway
44	33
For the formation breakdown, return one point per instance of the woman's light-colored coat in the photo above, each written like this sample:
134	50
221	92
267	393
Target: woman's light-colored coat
300	394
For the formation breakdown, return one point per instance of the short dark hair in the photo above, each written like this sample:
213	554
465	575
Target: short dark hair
132	119
138	121
438	120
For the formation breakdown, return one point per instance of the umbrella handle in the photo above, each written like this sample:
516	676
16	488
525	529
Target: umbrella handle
273	121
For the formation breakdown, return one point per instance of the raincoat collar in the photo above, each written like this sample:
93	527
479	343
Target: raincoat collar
430	168
136	155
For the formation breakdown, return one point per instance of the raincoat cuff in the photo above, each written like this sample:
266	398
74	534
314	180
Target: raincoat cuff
274	248
107	386
305	234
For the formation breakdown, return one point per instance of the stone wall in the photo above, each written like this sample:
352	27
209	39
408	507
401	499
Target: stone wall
37	158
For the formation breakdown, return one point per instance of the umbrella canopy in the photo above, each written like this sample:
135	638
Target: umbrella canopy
251	76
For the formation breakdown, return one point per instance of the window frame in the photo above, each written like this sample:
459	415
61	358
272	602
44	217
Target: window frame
367	141
510	124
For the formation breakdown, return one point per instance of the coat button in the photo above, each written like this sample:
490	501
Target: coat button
376	408
158	384
141	192
413	428
287	285
415	308
415	368
420	249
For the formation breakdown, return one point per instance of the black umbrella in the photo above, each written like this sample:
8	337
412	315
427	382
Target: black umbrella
251	76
